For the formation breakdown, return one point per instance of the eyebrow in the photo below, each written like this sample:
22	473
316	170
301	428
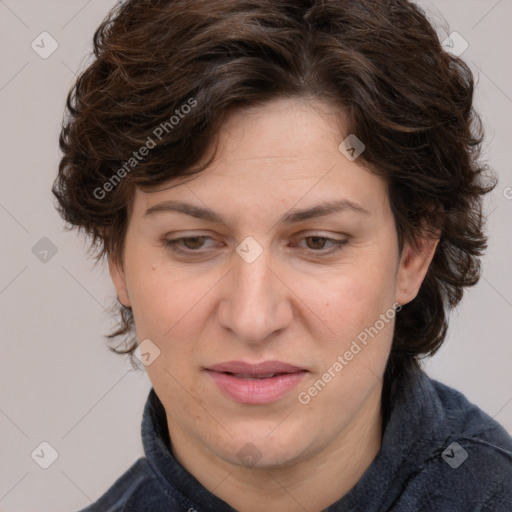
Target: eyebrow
320	210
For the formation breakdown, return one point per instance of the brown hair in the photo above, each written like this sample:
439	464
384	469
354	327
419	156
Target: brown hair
406	98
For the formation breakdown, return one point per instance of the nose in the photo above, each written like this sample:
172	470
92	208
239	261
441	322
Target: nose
256	300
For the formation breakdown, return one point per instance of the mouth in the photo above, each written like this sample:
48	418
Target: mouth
254	377
256	384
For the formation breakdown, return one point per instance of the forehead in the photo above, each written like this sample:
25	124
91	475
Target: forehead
272	157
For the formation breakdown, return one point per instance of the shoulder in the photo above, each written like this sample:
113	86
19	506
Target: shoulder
469	423
470	463
135	490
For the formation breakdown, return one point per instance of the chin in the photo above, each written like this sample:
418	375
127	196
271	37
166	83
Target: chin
250	448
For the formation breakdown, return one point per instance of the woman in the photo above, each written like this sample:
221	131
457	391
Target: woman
289	198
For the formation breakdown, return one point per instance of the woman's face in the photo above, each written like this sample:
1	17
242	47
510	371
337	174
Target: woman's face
272	320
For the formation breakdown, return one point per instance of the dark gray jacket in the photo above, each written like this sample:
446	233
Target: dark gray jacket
440	453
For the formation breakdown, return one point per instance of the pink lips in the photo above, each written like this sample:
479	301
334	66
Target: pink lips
256	384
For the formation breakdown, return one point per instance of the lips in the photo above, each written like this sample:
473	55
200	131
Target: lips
255	370
256	384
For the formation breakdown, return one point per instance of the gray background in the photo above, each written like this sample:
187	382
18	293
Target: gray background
58	381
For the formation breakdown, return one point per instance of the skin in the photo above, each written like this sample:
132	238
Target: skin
301	301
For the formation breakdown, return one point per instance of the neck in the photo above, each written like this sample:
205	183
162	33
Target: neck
312	483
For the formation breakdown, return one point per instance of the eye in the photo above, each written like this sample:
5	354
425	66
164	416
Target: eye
317	243
191	243
194	244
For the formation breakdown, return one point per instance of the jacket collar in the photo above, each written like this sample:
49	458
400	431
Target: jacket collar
415	418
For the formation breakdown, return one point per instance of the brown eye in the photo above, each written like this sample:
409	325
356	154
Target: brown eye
318	242
192	242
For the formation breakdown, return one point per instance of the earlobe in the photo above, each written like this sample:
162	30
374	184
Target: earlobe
414	264
118	278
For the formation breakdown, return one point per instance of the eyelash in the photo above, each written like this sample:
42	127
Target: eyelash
172	244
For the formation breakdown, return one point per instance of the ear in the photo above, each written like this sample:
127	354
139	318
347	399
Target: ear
413	267
118	278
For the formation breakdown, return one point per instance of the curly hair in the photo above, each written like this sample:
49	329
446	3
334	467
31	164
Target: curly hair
402	94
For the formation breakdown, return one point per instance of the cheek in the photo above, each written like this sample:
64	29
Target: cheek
354	297
168	304
158	298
